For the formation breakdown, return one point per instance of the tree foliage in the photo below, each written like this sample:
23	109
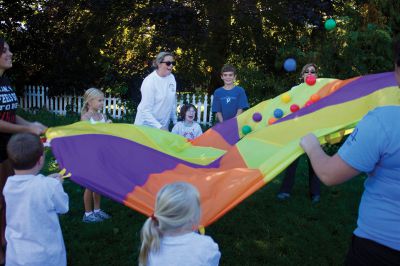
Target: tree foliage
71	45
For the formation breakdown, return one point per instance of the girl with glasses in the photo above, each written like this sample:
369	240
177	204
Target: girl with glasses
373	148
308	69
290	174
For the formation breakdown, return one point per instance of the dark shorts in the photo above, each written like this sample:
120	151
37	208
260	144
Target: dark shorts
3	156
4	138
366	252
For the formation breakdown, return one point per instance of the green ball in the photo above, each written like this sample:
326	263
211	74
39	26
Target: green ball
246	129
330	24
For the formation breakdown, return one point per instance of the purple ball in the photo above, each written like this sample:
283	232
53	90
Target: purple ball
257	117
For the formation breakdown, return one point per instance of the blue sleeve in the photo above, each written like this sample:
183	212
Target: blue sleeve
363	148
243	103
216	105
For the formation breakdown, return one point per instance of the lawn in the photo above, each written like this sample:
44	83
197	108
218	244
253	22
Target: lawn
260	231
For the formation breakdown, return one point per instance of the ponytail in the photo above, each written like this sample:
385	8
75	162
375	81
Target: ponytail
177	208
150	236
85	108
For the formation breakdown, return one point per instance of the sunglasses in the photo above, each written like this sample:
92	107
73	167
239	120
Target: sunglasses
168	63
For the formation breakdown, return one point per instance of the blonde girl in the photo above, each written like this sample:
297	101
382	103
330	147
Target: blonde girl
169	237
93	101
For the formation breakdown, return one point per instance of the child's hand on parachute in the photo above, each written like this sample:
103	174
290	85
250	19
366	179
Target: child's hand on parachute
57	176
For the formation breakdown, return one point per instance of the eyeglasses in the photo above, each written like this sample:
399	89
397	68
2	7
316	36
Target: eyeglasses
310	71
168	63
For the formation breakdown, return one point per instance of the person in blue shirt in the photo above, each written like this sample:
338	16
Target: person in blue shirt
373	148
229	100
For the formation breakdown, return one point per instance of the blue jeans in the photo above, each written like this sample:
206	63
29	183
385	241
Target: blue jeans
290	174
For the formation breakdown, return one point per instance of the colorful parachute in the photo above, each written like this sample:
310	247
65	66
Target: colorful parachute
129	164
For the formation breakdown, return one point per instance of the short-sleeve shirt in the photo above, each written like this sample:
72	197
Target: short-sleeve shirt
8	107
189	132
374	148
227	102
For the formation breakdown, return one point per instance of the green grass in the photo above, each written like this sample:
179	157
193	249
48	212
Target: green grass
260	231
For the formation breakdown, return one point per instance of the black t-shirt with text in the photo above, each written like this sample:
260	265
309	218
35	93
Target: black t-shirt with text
8	107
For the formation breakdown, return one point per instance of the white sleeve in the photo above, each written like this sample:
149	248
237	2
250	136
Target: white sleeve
147	103
60	198
173	111
176	128
198	131
213	255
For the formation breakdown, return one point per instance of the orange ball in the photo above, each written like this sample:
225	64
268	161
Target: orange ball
315	97
271	120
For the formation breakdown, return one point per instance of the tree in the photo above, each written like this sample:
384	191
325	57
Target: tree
72	45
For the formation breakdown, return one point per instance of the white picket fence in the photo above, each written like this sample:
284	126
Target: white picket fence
37	97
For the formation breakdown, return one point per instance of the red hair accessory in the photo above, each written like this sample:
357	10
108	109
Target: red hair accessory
153	218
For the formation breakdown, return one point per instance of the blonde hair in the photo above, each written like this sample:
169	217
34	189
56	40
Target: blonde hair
89	95
177	207
160	57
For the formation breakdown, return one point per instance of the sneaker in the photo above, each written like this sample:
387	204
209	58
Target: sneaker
315	198
92	218
102	215
283	196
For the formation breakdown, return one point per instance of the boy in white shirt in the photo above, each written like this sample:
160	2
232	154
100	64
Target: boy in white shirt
33	231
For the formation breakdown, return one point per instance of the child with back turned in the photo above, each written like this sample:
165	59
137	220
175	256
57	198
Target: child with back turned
93	101
168	236
33	231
